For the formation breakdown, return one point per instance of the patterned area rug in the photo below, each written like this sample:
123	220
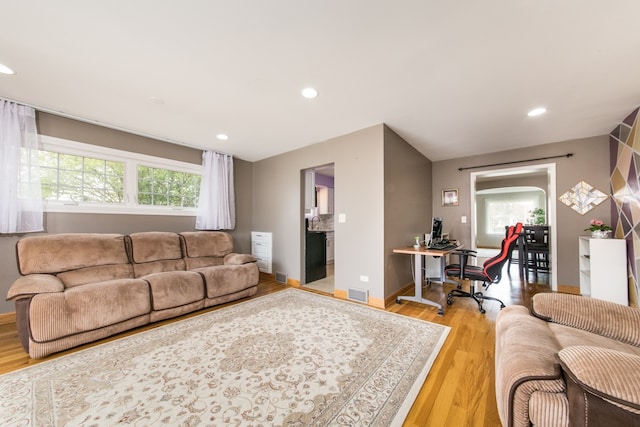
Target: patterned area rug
288	358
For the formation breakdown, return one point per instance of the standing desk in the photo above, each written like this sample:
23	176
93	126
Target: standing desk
418	272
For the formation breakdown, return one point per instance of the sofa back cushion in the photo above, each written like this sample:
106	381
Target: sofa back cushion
207	243
155	252
56	253
205	248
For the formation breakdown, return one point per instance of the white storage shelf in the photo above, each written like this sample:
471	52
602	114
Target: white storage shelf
261	249
603	269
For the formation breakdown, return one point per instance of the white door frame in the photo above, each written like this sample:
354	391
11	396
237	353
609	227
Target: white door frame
551	211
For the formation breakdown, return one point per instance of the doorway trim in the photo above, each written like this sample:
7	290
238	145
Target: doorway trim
551	208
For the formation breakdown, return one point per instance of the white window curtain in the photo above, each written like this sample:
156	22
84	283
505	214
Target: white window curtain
20	192
217	205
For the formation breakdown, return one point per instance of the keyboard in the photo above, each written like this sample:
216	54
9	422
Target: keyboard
442	246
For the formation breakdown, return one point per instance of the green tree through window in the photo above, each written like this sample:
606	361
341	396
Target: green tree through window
71	178
164	187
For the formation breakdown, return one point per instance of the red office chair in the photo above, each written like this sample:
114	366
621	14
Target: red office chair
489	272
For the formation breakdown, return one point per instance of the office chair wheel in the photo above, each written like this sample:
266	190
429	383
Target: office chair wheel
482	310
398	300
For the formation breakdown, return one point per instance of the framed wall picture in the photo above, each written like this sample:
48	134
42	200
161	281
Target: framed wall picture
450	197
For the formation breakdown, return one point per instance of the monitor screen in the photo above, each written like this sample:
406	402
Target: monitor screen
436	230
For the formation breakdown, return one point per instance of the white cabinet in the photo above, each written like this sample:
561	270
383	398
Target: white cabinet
261	249
325	200
330	247
603	269
309	189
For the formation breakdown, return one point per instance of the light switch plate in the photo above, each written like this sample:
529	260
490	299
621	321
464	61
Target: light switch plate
464	219
342	218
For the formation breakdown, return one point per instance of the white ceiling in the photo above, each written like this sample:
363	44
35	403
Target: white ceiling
453	78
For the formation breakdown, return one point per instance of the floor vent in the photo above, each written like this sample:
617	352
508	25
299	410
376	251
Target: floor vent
281	277
360	295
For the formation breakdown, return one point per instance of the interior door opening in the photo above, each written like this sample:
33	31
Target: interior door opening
318	237
541	176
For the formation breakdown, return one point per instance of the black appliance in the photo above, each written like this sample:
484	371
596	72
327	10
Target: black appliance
315	256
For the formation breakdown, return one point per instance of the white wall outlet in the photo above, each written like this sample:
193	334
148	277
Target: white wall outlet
342	218
464	219
364	278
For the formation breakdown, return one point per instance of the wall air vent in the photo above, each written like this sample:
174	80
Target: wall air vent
359	295
281	277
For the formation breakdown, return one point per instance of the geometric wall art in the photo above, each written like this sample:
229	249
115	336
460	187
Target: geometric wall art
624	143
583	197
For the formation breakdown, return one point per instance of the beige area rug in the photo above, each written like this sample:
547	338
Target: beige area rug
288	358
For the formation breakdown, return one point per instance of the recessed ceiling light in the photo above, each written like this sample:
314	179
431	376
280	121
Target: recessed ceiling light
537	111
5	70
309	92
222	136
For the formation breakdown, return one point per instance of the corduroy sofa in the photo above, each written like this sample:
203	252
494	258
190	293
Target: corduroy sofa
81	287
571	360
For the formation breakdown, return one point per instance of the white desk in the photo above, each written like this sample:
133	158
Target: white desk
418	272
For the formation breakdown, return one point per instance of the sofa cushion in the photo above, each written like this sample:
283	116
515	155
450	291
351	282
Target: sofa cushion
569	337
141	270
101	273
175	288
205	261
56	253
84	308
155	246
207	243
229	279
155	252
238	259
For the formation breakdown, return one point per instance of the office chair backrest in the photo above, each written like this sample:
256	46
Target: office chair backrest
493	266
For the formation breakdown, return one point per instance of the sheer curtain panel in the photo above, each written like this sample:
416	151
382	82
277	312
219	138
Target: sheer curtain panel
20	193
216	205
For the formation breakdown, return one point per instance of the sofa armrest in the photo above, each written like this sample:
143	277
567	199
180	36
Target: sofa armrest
604	318
602	385
32	284
238	259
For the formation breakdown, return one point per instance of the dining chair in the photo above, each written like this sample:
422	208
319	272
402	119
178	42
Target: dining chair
536	249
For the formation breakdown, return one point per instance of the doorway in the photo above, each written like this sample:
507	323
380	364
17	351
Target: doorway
545	176
318	238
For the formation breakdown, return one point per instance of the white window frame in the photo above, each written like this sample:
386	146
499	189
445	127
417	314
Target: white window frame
131	161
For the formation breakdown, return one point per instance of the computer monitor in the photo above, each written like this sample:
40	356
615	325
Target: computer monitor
436	230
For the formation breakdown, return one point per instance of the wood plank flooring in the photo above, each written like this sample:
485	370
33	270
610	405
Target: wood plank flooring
459	390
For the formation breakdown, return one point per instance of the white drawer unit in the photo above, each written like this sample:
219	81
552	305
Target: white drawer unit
261	249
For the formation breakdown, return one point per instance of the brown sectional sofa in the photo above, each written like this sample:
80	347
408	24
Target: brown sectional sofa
569	361
81	287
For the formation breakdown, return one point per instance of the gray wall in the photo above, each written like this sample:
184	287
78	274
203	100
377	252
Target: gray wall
278	202
382	185
407	206
68	222
590	163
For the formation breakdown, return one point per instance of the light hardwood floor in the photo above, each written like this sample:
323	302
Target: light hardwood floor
459	390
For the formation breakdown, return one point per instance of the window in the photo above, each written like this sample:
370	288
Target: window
499	207
164	187
78	177
503	213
